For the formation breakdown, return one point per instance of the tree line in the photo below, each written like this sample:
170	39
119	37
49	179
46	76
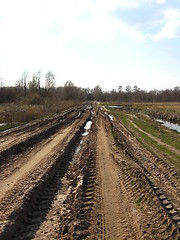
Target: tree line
34	91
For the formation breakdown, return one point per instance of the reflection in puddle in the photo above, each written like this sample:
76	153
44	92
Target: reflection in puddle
85	133
88	125
78	149
169	125
111	117
115	106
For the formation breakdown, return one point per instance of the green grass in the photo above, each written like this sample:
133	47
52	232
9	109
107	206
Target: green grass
120	114
169	111
154	144
8	126
158	131
155	129
174	159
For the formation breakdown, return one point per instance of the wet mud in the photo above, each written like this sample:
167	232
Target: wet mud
99	182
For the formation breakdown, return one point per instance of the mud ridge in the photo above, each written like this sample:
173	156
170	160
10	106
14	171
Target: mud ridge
141	192
7	155
29	127
150	171
82	219
35	206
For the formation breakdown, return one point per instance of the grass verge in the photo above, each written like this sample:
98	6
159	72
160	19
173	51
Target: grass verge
157	130
167	136
16	114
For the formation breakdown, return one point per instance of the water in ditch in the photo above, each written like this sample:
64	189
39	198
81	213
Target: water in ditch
172	126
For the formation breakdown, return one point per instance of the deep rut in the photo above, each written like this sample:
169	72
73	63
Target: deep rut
9	155
25	221
97	184
152	184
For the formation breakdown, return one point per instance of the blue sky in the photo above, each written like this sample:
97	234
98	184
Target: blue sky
92	42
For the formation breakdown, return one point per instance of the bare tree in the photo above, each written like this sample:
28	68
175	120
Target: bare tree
49	81
35	84
22	82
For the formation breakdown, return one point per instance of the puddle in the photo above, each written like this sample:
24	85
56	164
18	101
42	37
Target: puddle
92	113
172	126
115	106
85	134
78	149
88	125
111	117
79	114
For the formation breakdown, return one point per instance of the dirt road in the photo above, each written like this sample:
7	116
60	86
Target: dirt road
65	178
119	214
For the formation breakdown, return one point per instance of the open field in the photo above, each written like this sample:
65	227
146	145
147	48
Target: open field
169	111
90	172
139	119
14	114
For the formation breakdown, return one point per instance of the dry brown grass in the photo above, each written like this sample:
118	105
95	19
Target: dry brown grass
23	112
165	107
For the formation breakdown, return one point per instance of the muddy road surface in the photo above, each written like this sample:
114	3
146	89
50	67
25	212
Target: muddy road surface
83	175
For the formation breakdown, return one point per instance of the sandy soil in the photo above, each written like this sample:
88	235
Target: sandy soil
34	159
63	184
120	217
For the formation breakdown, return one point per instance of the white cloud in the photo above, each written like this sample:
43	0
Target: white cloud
33	34
160	1
156	1
171	28
100	26
30	20
172	14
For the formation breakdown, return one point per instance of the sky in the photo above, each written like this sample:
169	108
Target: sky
110	43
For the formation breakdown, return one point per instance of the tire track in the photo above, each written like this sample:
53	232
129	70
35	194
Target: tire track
82	219
18	134
10	155
120	219
157	223
25	221
159	180
94	187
